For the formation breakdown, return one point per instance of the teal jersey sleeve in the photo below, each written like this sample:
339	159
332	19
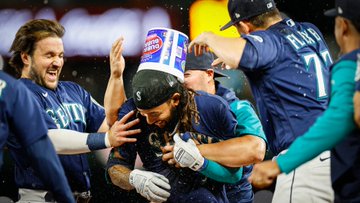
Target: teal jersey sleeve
220	173
248	121
332	126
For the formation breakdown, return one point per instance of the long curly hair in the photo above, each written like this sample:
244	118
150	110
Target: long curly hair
187	109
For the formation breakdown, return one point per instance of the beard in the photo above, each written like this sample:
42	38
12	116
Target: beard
36	77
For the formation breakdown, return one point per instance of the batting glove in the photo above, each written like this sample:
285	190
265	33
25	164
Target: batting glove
152	186
187	154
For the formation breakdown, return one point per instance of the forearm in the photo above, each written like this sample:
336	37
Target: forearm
114	97
119	176
220	173
73	142
235	152
229	50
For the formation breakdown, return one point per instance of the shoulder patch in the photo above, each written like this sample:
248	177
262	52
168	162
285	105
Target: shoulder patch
256	37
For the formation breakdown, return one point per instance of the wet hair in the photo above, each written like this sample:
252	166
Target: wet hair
187	109
27	36
262	19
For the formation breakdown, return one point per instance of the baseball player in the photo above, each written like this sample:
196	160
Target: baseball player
37	56
21	119
287	66
165	109
248	148
343	137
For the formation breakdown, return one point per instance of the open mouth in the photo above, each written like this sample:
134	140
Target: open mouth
52	75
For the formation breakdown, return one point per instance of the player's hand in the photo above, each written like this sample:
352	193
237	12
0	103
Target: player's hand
186	153
152	186
117	61
119	132
218	62
264	174
168	155
199	44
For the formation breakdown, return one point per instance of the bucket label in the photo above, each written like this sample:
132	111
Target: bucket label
153	44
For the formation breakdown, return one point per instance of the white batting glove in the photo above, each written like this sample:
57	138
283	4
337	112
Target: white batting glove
152	186
187	154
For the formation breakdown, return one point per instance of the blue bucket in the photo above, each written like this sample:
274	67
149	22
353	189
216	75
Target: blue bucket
165	50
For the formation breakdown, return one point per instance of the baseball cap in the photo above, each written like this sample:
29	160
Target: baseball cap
245	9
346	8
202	62
151	88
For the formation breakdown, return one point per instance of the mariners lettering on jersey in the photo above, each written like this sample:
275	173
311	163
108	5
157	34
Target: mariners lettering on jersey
159	140
2	86
67	113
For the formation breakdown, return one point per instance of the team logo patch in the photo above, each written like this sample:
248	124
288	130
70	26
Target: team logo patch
138	95
256	38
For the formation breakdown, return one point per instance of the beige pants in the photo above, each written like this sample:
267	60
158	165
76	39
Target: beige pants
310	183
28	195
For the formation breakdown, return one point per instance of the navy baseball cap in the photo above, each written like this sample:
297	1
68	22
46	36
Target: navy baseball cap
245	9
349	9
151	88
202	62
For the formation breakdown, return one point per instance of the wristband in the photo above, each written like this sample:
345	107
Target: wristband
107	141
206	162
96	141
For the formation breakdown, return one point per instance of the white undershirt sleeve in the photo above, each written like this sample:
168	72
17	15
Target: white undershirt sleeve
69	141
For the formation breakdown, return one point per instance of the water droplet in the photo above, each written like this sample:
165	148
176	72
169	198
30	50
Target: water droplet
74	73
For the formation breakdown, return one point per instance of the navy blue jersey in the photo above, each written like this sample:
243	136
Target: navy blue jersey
216	121
22	121
69	106
288	69
15	99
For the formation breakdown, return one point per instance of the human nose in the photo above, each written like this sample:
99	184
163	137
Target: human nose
58	61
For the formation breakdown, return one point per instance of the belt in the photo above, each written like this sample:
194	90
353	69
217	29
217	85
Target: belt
30	195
